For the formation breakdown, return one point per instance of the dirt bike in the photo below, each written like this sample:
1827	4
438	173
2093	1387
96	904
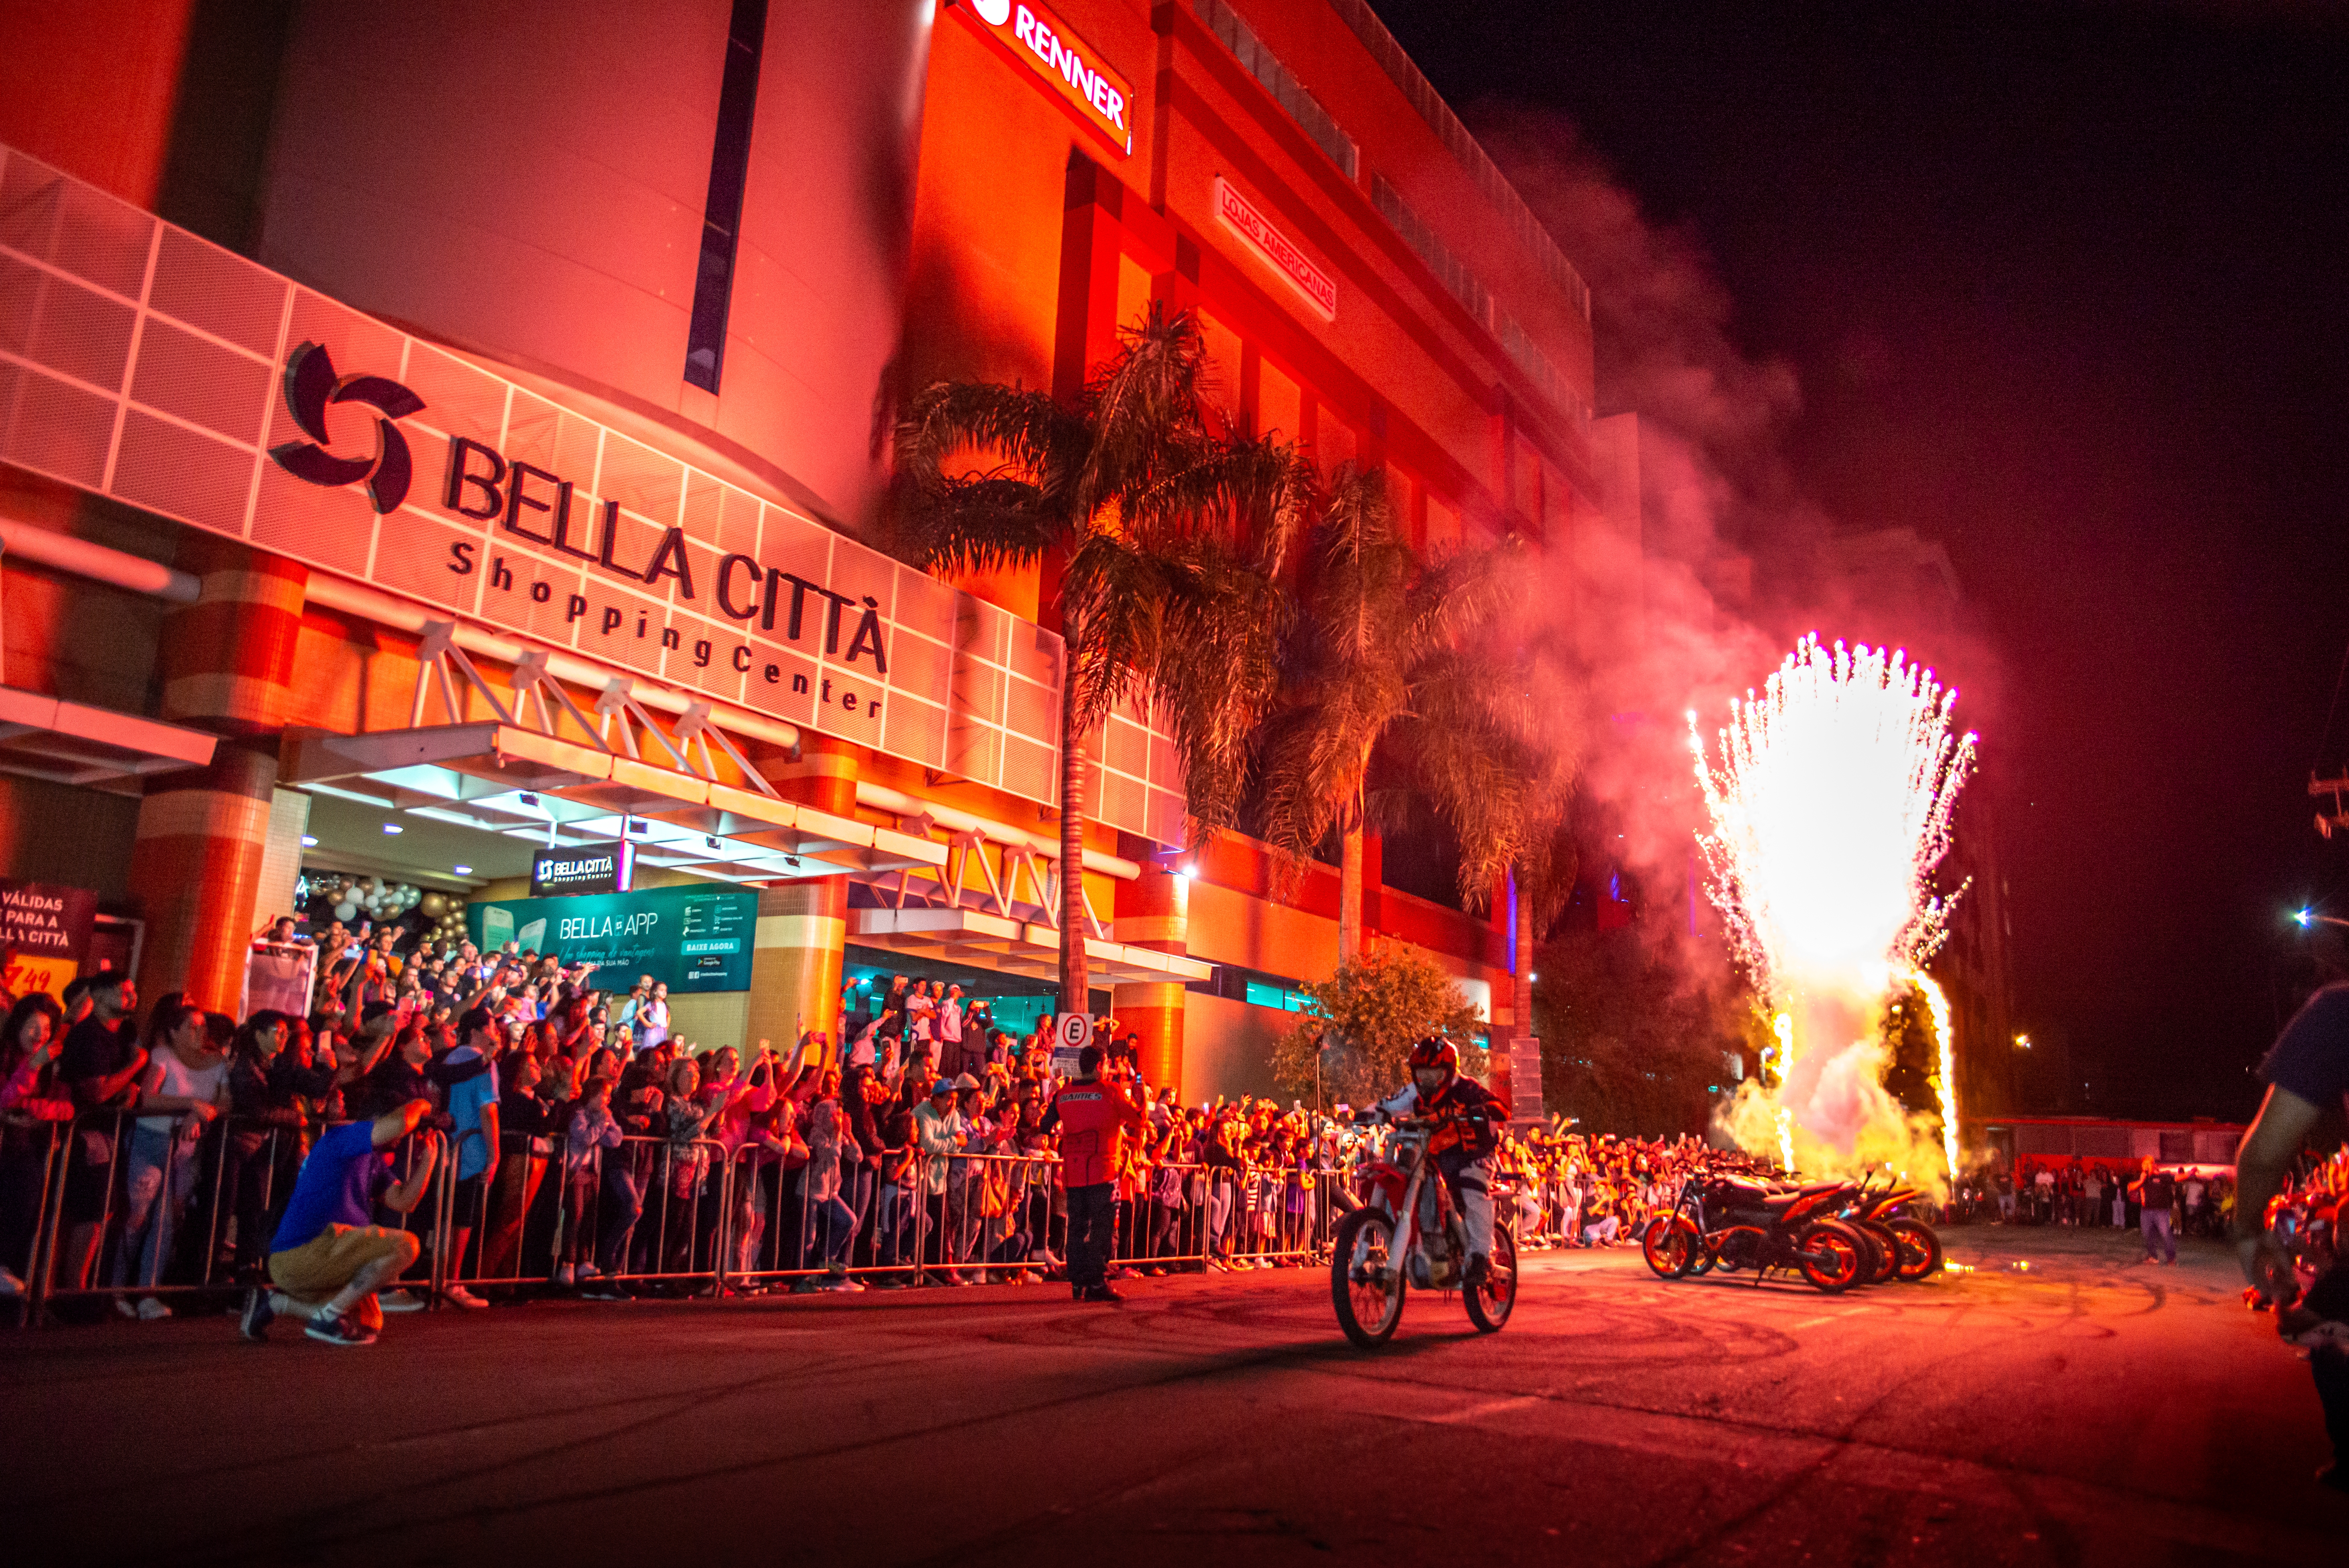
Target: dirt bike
1373	1261
1731	1223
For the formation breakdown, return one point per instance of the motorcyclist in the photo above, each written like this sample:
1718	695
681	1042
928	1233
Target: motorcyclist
1469	1117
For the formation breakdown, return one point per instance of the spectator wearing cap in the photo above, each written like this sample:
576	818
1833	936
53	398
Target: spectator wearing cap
938	1133
328	1259
1095	1119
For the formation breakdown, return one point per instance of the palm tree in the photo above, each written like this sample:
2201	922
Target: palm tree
1498	762
1170	533
1376	657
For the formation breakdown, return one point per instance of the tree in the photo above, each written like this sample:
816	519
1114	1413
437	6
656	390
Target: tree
1497	750
1631	1043
1170	534
1374	656
1353	1045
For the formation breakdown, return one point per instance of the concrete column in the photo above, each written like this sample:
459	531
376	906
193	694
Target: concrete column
195	872
1155	911
802	933
196	868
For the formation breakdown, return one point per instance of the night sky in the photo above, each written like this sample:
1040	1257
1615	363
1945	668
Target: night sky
2063	287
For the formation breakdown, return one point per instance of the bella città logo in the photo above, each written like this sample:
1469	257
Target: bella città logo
310	385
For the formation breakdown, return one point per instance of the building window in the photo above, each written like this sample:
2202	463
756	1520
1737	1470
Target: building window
1287	91
721	215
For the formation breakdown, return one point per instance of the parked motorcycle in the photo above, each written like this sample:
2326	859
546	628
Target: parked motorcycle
1408	1232
1906	1248
1732	1222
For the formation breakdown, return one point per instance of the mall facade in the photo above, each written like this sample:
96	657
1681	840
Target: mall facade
442	438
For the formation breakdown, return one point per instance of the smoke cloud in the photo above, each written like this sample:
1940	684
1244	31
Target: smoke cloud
1694	595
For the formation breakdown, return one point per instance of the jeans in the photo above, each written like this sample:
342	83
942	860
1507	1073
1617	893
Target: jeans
1601	1231
623	1203
2155	1222
1092	1210
895	1217
839	1226
161	1174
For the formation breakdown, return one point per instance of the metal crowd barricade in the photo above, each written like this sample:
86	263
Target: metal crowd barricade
704	1215
222	1203
678	1234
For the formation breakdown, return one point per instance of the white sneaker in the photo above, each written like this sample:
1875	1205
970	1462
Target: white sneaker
152	1311
458	1295
123	1304
399	1301
564	1274
10	1284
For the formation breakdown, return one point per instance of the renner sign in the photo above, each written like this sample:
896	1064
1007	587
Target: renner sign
1276	250
1071	68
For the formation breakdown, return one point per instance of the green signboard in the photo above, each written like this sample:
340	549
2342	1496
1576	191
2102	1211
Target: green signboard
695	937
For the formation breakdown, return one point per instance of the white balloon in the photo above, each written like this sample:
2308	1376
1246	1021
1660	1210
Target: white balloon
346	911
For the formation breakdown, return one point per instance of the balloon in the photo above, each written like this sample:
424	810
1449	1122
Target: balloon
433	904
347	911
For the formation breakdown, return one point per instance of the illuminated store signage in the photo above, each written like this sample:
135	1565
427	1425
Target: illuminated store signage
693	937
1070	68
1276	250
145	364
592	868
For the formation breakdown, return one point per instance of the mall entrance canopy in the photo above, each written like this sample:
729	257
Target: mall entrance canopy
518	782
74	743
589	782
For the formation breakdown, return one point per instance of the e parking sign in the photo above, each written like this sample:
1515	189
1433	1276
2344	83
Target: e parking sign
1071	1033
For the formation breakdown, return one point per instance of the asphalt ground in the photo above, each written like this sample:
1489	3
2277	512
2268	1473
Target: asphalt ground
2089	1411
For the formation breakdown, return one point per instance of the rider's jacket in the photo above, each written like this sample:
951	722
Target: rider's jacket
1469	1114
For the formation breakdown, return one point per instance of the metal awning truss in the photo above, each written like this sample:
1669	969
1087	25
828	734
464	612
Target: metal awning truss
504	778
44	737
1024	947
692	747
951	884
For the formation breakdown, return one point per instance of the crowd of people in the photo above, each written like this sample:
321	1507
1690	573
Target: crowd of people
588	1150
2164	1202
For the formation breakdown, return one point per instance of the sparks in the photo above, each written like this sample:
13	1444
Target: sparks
1830	809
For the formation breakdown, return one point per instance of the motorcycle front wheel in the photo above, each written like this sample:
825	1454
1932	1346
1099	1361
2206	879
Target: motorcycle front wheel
1671	1246
1364	1256
1495	1295
1831	1255
1920	1249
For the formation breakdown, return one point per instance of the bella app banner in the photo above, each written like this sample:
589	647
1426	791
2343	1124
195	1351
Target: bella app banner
139	362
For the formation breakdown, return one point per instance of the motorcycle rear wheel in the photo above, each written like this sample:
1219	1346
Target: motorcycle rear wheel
1671	1246
1831	1255
1367	1311
1920	1249
1883	1250
1490	1304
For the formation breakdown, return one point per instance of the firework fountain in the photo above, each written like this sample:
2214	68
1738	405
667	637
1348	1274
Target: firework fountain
1830	808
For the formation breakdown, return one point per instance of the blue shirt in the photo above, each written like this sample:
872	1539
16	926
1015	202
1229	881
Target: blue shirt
338	1186
465	1102
2310	1058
